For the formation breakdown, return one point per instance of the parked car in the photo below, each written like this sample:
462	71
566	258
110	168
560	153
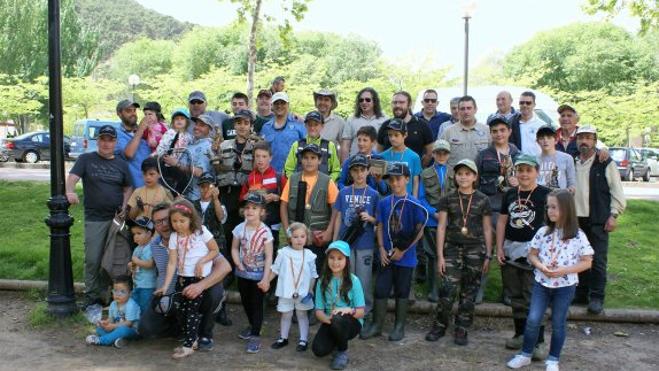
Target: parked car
630	163
33	147
4	152
651	156
84	135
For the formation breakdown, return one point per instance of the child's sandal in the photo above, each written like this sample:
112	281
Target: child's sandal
184	352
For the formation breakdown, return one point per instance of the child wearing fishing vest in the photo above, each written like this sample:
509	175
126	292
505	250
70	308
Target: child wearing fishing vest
436	182
308	198
464	250
330	163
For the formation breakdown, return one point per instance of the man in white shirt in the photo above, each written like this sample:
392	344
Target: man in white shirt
526	125
368	111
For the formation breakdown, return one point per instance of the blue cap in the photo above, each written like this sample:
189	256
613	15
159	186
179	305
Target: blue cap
108	130
142	222
339	245
396	169
398	125
315	116
181	112
359	160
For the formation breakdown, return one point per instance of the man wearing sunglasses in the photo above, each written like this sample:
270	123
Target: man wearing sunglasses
197	105
429	114
368	112
159	320
525	125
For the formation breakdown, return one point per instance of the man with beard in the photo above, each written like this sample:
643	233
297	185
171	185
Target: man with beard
429	114
368	112
130	144
467	137
504	106
197	105
419	136
599	200
566	136
325	102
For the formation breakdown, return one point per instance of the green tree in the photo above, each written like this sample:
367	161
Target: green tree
144	57
647	11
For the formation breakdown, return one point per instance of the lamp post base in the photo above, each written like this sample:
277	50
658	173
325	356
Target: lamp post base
61	296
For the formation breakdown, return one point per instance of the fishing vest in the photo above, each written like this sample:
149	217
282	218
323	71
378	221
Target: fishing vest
324	157
228	174
599	192
317	212
432	186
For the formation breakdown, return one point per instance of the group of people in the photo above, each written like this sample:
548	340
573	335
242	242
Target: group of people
367	207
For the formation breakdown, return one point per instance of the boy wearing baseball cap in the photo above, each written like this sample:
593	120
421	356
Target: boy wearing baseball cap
329	160
397	132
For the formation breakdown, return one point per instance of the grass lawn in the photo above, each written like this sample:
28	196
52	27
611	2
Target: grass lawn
24	246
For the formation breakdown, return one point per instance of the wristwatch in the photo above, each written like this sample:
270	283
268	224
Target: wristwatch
488	257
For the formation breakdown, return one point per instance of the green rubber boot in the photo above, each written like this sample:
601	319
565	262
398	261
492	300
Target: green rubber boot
374	327
398	332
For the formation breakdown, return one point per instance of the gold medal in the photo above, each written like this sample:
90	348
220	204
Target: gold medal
464	231
307	206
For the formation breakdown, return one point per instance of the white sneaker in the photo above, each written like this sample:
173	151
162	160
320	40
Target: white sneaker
92	340
519	361
551	365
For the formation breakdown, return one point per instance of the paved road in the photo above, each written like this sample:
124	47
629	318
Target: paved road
635	190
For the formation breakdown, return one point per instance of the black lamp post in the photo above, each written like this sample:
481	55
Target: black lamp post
61	297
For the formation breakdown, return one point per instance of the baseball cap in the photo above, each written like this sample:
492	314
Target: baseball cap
544	130
564	107
498	119
441	145
359	160
340	246
206	178
280	96
397	169
314	115
526	160
197	95
205	119
244	113
108	130
587	129
143	222
125	104
469	164
152	106
254	198
263	92
398	125
312	148
181	112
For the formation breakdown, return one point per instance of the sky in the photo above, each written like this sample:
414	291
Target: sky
414	32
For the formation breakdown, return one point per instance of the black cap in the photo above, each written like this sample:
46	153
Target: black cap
254	198
108	130
498	119
143	222
398	125
359	160
314	115
244	113
564	107
544	130
206	178
125	104
397	168
312	148
197	95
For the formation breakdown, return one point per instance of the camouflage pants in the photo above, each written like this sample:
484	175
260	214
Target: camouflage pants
464	266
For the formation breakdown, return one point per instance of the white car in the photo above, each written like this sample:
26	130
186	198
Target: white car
651	156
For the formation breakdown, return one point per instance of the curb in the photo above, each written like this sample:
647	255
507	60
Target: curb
420	306
39	165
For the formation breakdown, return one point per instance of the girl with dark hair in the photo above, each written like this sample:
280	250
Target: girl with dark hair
339	306
559	251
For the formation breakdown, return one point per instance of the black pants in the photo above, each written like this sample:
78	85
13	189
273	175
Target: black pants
398	277
189	310
335	335
592	283
209	306
252	298
320	257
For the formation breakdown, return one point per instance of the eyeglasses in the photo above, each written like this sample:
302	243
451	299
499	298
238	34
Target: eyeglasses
525	102
430	100
367	100
160	221
196	102
121	292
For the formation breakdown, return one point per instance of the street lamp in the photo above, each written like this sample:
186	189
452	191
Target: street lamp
133	81
468	11
61	297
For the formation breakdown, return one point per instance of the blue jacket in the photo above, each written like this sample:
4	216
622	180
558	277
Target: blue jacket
435	122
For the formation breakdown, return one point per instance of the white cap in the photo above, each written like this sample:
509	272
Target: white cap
586	130
280	96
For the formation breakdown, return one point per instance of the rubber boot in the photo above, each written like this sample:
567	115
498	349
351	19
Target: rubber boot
374	327
433	290
398	332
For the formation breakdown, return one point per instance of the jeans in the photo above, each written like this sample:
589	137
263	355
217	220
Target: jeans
143	297
108	337
559	298
361	262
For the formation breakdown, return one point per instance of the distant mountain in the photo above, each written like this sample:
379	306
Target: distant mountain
121	21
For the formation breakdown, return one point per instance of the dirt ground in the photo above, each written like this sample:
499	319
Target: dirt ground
53	347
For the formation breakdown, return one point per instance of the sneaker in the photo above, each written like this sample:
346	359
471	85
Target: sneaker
119	343
519	361
254	344
540	352
302	346
245	334
205	344
280	343
515	343
340	361
595	306
461	337
551	365
435	333
92	340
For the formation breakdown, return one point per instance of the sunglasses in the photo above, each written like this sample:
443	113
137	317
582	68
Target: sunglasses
196	102
525	102
430	100
121	292
367	100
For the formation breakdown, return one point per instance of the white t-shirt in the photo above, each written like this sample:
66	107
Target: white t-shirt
563	253
190	250
527	131
286	281
252	249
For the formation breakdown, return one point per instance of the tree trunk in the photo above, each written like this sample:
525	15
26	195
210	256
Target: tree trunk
251	59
